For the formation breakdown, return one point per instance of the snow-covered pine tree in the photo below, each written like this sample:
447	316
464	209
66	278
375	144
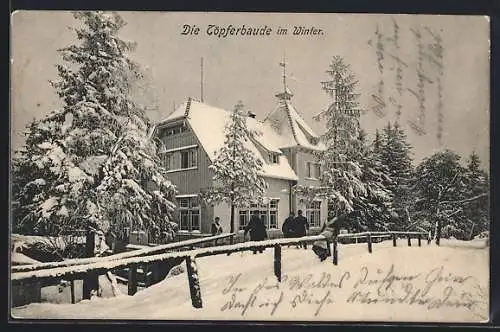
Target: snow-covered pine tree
477	185
377	144
92	163
395	154
440	188
374	210
237	178
341	175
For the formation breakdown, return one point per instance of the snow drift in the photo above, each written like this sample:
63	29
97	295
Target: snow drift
427	284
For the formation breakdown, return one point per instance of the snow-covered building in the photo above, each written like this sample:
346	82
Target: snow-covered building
193	134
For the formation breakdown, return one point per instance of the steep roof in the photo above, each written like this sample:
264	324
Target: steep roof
208	122
289	124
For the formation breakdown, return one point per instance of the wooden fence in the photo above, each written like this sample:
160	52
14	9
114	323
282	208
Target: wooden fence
159	270
99	267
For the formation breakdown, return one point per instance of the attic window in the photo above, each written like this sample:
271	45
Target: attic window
173	130
274	158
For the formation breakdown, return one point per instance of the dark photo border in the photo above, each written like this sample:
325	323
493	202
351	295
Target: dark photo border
471	7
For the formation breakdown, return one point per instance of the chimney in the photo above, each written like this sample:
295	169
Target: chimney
251	114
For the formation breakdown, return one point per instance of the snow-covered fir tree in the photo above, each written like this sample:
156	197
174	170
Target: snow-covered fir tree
477	187
92	161
440	189
395	154
237	171
374	211
342	172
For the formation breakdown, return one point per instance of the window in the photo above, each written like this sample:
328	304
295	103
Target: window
313	170
313	213
273	219
189	214
167	161
267	212
182	159
317	170
243	219
173	130
193	158
274	158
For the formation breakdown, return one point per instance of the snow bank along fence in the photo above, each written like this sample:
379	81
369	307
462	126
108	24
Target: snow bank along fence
50	273
144	257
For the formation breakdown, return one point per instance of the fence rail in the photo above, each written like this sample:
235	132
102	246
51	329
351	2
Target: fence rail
145	258
135	253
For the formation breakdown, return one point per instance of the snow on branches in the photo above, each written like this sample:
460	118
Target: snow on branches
92	162
236	168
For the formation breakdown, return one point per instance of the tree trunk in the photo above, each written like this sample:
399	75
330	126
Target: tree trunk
231	239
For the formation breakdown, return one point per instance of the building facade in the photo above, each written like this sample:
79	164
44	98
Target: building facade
194	133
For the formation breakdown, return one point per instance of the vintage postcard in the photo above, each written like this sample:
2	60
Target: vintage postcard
250	166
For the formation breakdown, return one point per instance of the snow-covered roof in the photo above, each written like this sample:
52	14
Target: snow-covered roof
291	126
208	124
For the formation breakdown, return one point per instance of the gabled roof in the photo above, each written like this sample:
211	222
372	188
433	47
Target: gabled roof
287	122
208	122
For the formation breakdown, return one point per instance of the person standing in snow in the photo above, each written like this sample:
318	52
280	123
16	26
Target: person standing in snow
288	226
256	228
216	228
329	230
301	226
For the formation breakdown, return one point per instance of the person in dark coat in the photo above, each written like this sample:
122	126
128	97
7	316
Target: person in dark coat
216	228
256	228
301	226
288	226
330	230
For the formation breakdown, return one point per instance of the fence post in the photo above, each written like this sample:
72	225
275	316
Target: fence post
194	282
277	261
394	239
132	279
335	252
370	243
419	240
409	240
72	291
91	280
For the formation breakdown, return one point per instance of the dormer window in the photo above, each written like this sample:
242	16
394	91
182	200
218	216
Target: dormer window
274	158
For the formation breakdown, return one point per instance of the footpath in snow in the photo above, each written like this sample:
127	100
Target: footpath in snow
419	284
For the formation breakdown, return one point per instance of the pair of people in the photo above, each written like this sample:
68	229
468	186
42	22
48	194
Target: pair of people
295	226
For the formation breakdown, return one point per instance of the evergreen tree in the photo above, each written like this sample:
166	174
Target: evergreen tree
92	163
395	154
341	178
374	209
237	178
440	188
378	144
477	209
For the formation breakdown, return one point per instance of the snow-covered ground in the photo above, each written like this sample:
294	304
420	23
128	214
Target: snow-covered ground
440	284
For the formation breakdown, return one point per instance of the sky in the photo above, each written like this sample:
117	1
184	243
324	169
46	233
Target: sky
247	68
